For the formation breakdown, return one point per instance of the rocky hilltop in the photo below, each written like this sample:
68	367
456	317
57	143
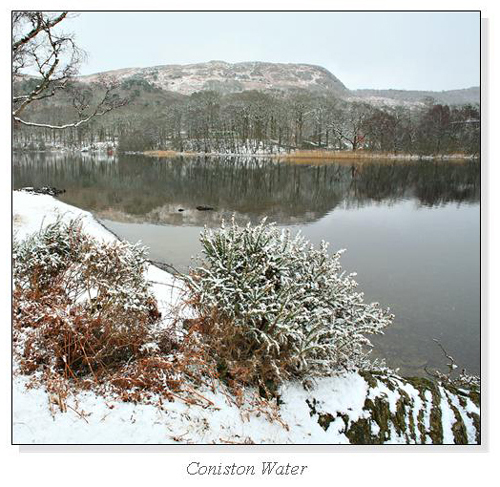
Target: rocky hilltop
227	78
232	78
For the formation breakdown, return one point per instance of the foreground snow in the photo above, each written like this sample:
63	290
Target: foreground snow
93	419
361	408
331	413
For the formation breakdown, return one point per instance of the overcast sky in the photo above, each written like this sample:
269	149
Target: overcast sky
407	50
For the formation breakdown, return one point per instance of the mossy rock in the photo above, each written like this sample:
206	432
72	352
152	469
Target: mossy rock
410	420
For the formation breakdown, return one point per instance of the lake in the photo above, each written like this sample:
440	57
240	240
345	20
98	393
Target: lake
411	229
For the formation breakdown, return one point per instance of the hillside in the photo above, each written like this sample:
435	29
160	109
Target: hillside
396	97
232	78
227	78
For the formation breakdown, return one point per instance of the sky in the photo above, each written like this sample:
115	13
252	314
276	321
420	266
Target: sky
379	50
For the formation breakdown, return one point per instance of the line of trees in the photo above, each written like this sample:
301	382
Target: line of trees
254	122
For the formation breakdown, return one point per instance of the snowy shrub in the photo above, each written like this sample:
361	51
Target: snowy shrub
80	305
42	257
272	306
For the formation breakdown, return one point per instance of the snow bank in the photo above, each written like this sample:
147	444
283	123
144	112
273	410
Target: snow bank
34	211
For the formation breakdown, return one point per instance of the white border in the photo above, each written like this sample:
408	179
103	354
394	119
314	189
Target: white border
340	467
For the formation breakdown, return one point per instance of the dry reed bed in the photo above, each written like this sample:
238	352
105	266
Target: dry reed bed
323	156
314	155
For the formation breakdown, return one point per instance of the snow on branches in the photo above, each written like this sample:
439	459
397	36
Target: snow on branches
80	305
276	307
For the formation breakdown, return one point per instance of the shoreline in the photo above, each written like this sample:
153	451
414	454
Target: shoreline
305	156
300	156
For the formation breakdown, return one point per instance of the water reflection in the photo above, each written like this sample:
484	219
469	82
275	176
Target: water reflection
141	189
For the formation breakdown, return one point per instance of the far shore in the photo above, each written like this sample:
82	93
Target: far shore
315	156
298	156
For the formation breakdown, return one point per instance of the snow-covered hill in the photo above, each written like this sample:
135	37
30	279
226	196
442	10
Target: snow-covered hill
226	78
231	78
407	97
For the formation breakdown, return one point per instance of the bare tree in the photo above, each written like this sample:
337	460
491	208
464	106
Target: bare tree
348	123
47	59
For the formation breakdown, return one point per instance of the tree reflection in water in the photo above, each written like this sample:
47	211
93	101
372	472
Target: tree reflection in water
140	189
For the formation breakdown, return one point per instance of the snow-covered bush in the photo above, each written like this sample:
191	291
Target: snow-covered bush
81	305
43	256
272	306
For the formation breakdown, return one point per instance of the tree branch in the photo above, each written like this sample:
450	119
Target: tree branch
40	25
56	58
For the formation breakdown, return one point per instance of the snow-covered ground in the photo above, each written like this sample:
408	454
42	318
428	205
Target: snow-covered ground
93	419
331	410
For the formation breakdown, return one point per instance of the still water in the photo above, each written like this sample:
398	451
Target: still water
411	230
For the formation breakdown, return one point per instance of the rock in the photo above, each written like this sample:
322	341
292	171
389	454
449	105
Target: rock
412	410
